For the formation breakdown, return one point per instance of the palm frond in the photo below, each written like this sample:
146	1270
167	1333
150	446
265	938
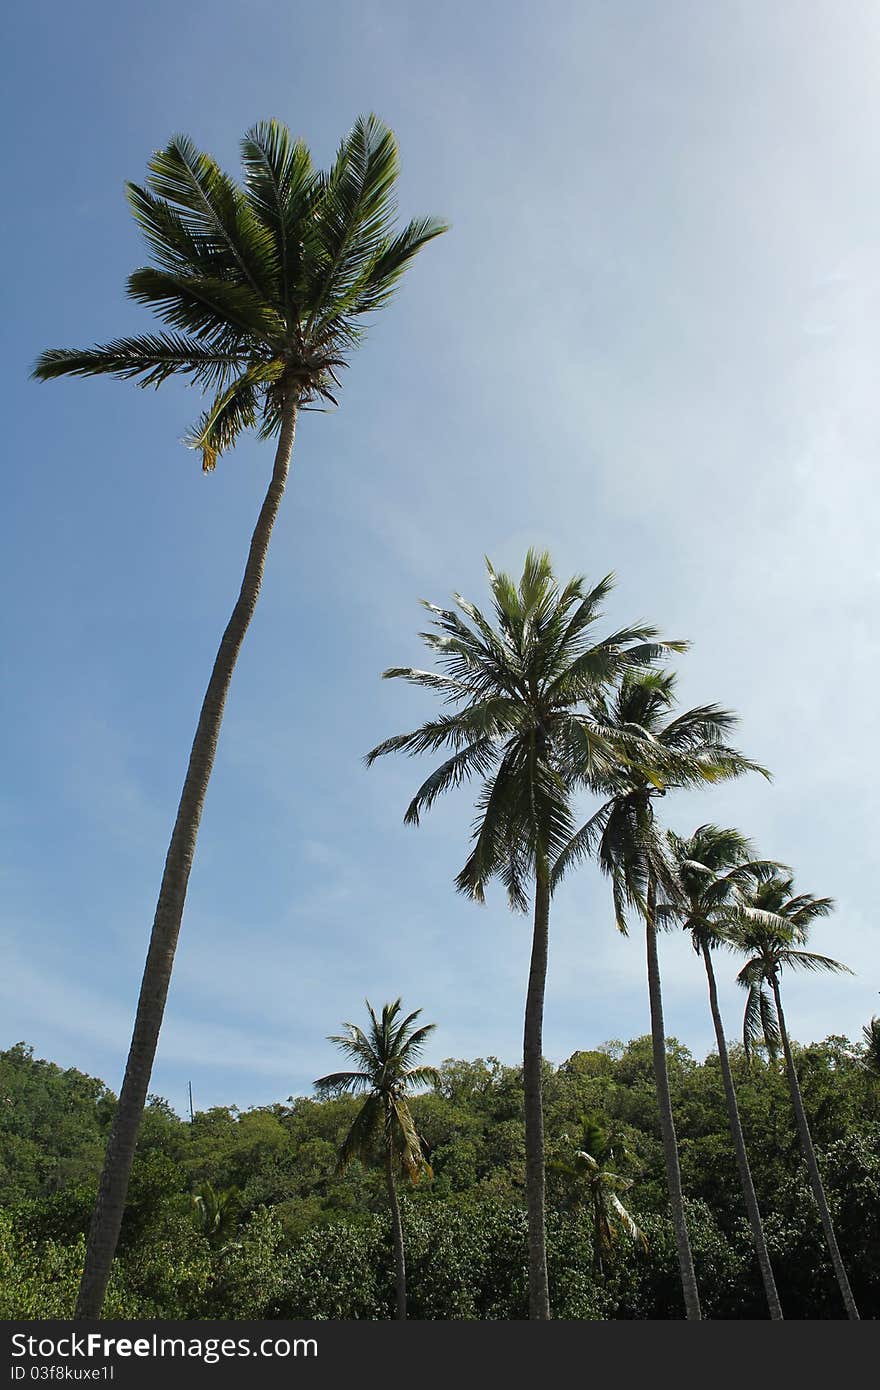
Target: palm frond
234	409
582	844
339	1081
476	759
871	1036
381	276
497	847
753	1031
213	210
217	311
808	960
280	188
449	689
149	359
361	1138
353	210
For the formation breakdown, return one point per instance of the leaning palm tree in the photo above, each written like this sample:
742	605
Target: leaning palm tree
521	691
710	868
593	1185
683	751
385	1056
265	288
771	927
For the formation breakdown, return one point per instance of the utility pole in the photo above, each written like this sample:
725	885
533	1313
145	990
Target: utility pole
191	1115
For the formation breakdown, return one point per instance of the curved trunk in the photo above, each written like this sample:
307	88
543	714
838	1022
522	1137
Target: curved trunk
739	1144
667	1125
397	1233
539	1295
806	1139
107	1216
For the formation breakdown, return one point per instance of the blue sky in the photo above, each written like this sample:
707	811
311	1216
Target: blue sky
650	343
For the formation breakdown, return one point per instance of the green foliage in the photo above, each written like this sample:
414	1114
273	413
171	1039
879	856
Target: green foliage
871	1037
310	1242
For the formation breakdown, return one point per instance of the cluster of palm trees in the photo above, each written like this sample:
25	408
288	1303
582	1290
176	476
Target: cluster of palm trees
264	288
540	709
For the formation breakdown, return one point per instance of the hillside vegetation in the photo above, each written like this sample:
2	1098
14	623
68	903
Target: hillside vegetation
240	1214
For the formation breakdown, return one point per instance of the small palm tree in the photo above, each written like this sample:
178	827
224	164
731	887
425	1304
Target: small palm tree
771	927
522	722
594	1185
871	1035
386	1055
711	866
216	1211
265	288
683	751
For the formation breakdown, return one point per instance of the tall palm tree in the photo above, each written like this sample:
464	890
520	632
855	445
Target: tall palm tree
772	925
710	868
385	1055
265	287
522	723
683	751
593	1184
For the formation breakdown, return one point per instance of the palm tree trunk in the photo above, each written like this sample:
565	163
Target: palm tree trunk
739	1144
539	1294
667	1124
806	1139
107	1216
397	1232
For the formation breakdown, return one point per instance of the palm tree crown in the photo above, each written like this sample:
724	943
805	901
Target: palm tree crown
593	1183
388	1071
676	751
526	690
770	927
711	869
871	1036
265	286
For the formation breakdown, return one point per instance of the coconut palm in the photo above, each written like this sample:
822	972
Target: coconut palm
593	1185
521	722
871	1035
771	929
711	866
386	1056
216	1211
687	750
265	288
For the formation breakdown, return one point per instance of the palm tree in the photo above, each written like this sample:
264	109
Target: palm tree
386	1055
685	751
871	1035
216	1211
711	866
521	721
771	926
594	1185
265	287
